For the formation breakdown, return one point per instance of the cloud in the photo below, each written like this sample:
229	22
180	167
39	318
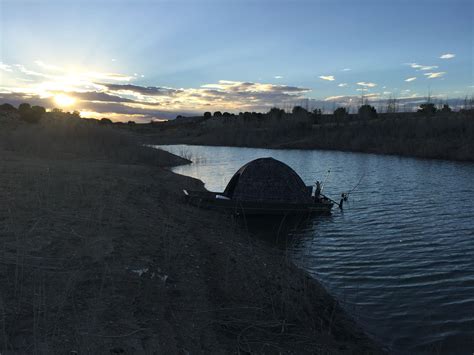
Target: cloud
142	90
346	69
327	77
422	67
447	56
363	83
278	77
411	79
342	85
435	75
48	66
5	67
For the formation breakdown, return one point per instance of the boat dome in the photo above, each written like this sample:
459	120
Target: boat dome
267	180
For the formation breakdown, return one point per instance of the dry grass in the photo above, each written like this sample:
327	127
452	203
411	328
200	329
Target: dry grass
442	136
98	254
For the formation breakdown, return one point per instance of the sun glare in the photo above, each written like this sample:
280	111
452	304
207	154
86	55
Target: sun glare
64	100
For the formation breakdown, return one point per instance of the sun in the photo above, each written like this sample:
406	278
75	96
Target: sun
64	100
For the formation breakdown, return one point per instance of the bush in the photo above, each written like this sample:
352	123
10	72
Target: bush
31	114
7	108
105	121
367	112
446	109
427	108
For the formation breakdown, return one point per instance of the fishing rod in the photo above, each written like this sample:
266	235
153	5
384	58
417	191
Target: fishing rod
325	179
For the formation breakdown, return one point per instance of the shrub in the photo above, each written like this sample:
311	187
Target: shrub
340	114
31	114
7	108
367	112
298	110
105	121
427	108
446	109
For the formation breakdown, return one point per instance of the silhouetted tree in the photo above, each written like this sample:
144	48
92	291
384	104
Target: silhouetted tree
317	115
131	123
276	112
427	108
446	109
298	110
105	121
24	108
57	110
218	114
207	114
367	112
31	114
6	107
39	110
340	114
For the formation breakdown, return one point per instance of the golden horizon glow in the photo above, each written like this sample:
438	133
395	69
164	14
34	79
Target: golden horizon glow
64	100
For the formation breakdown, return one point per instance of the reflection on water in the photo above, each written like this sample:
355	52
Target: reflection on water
399	258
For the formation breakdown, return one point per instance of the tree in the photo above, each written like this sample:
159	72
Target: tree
39	110
317	114
207	114
427	108
131	123
276	112
31	114
446	109
218	114
57	110
367	112
226	114
105	121
340	114
6	107
298	110
24	108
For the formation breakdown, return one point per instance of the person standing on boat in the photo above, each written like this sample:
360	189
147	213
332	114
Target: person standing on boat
317	193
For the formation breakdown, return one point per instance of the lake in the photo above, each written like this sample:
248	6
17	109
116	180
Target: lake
399	258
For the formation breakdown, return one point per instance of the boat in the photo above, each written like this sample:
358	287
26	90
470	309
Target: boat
264	186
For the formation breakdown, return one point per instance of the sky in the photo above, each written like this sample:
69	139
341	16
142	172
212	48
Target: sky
148	59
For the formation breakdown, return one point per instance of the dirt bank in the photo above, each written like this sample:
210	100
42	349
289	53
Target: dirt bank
101	255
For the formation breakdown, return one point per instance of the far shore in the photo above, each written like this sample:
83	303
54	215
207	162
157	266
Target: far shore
100	254
447	136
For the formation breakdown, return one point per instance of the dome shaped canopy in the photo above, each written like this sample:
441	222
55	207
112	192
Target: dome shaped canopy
267	180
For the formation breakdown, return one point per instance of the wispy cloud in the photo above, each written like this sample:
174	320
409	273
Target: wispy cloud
447	56
411	79
363	83
346	69
5	67
48	66
435	75
327	77
422	67
278	77
342	85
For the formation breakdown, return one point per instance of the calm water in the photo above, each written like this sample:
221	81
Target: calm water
400	258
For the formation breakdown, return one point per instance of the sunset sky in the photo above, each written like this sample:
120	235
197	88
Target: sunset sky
150	59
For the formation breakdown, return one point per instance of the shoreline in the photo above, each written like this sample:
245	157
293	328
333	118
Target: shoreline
439	137
100	254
